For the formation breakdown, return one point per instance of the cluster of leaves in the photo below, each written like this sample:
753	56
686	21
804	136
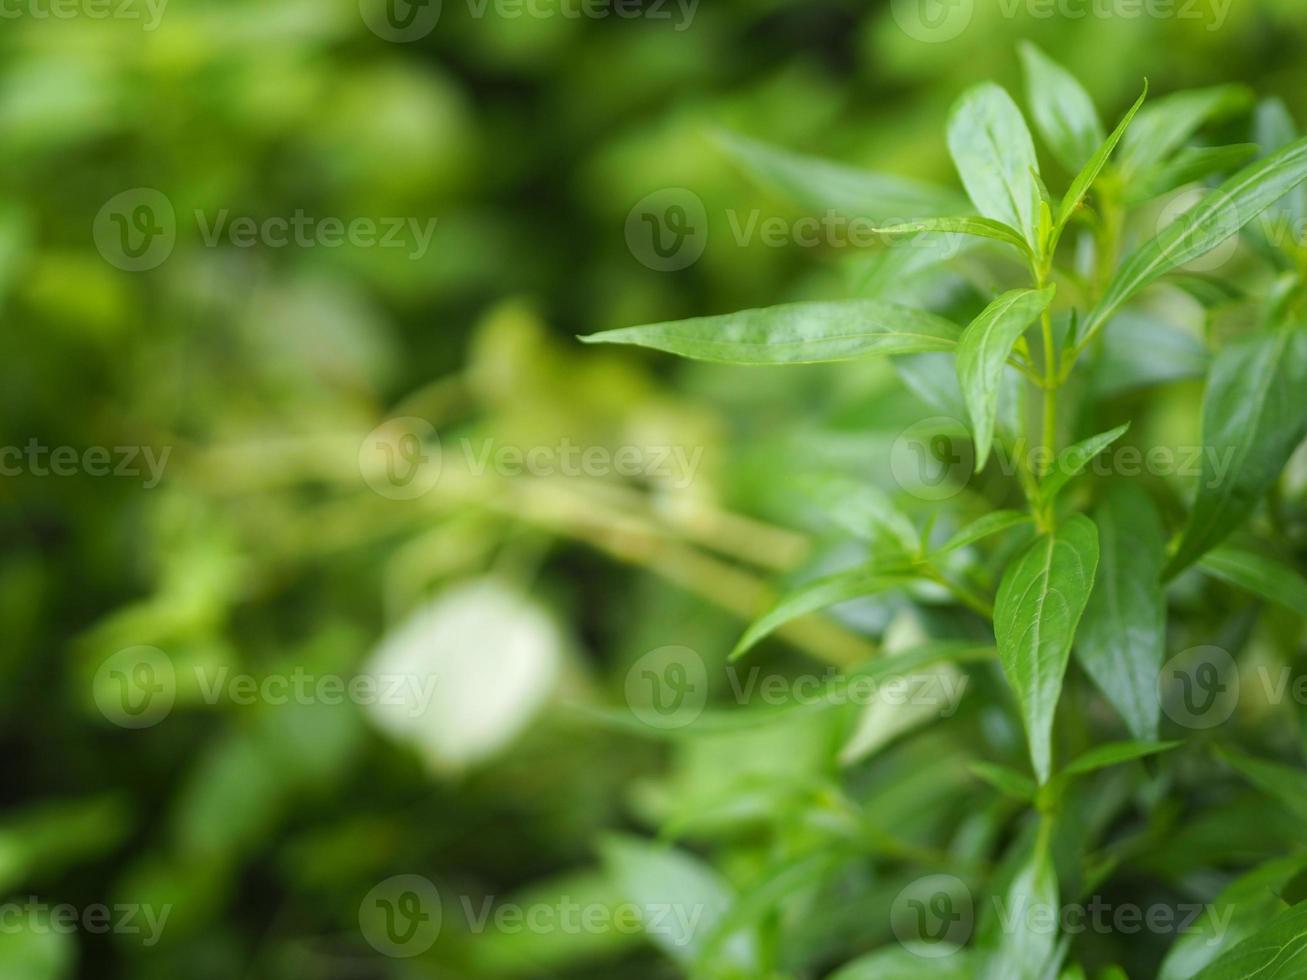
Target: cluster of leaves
1113	570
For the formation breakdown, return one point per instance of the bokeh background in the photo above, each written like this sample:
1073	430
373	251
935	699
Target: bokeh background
275	538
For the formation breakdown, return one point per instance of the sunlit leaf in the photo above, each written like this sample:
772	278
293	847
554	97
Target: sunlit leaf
995	157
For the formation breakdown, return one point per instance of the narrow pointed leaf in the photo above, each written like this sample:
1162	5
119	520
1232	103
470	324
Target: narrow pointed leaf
991	523
1073	459
1064	113
796	333
1086	177
1121	640
1115	753
1266	577
1005	780
995	157
1166	124
1254	415
1190	164
823	185
1285	784
964	225
1274	129
813	596
983	351
1040	601
861	509
1214	219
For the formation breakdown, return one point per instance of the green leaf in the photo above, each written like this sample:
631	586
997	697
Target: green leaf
861	509
995	157
1168	122
1086	177
36	949
754	903
1190	164
983	351
653	876
1267	577
1254	415
1029	936
819	594
1239	910
823	185
1138	350
963	225
894	963
1064	113
1039	604
1114	753
1275	128
1122	636
1214	219
1287	784
1006	780
1278	951
1074	458
983	527
796	333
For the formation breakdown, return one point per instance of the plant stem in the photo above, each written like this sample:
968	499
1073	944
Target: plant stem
1051	381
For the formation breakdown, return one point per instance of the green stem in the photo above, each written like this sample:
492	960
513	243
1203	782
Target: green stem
1052	379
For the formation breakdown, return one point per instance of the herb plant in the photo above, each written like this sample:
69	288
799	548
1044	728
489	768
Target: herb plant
1122	781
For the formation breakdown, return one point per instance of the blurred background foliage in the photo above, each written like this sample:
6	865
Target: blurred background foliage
263	548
